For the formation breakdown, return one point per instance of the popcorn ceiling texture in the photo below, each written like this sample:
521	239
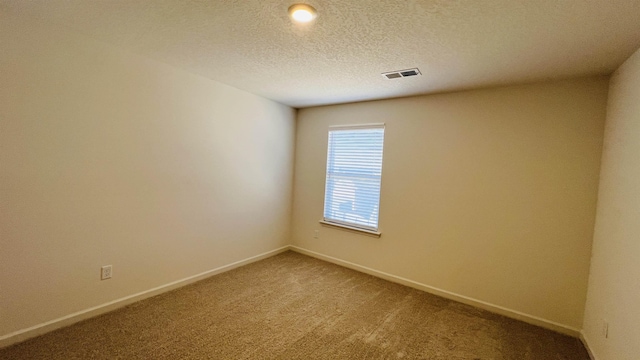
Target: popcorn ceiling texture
252	44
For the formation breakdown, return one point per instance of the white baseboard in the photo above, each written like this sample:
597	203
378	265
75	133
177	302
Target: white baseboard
585	342
33	331
514	314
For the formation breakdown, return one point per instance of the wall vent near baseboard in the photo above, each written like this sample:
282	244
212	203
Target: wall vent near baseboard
401	73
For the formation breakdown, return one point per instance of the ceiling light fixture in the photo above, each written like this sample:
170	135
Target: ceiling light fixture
302	13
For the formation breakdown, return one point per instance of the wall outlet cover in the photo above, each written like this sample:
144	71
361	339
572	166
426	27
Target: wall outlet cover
106	272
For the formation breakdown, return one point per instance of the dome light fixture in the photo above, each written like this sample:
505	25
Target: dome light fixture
302	13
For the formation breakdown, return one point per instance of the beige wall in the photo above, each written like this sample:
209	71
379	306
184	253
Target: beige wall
109	158
614	283
488	194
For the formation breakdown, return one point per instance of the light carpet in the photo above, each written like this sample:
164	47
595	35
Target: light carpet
292	306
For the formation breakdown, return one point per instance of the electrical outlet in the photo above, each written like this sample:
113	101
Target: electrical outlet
105	272
316	234
605	329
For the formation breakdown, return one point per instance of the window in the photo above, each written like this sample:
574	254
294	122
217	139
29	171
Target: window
354	170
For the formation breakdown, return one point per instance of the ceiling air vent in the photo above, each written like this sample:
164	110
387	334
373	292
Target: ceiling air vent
401	73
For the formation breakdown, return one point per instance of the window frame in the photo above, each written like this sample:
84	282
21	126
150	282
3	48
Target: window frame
352	226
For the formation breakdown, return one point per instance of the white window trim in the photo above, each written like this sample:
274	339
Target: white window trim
358	126
348	226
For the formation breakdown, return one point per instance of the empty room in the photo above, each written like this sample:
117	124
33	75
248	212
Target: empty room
263	179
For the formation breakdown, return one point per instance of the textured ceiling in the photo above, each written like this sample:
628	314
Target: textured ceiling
252	44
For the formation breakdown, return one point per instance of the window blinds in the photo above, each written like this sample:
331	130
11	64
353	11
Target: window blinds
354	169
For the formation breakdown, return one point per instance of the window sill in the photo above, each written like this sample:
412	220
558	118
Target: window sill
351	228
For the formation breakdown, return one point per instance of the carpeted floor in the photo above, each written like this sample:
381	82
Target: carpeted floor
291	306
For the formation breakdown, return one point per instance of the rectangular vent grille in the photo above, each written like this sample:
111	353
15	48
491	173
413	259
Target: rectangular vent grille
401	73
